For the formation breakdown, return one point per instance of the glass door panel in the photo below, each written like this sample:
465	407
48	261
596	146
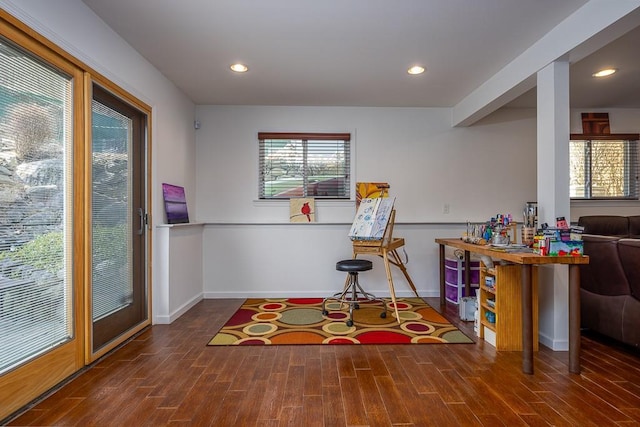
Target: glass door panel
41	313
36	170
117	219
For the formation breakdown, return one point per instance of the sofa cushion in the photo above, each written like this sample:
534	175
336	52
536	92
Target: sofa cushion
602	314
629	250
604	274
606	225
634	227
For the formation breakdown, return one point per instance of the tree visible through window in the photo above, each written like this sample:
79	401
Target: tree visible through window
304	165
604	168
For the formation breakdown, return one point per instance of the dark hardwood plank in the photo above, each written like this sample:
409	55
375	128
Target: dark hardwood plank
167	376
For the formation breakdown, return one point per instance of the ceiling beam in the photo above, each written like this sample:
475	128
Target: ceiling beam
591	27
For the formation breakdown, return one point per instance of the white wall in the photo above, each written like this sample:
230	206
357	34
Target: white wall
178	283
252	250
74	27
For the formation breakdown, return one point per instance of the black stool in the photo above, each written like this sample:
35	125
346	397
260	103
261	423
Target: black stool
353	294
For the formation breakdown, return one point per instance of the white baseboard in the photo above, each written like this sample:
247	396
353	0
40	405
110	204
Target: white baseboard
301	294
166	320
555	345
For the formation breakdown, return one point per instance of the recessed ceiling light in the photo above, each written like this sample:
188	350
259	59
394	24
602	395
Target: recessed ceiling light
239	68
416	69
604	73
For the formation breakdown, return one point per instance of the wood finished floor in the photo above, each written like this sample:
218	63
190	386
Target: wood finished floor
168	376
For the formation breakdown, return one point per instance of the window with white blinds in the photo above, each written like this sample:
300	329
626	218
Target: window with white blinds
604	168
35	207
314	165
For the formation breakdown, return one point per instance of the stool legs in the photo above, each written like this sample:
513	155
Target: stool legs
352	295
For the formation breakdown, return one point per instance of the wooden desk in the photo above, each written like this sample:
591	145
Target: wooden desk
387	249
527	260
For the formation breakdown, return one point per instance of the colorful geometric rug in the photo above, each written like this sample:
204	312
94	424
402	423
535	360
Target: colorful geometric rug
300	321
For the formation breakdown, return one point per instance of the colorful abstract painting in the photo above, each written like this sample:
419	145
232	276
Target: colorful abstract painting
175	204
370	190
302	209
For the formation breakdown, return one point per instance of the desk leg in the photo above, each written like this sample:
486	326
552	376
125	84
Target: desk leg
467	273
574	318
527	320
442	294
387	267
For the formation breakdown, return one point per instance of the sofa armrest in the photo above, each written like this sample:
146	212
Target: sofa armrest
604	275
629	250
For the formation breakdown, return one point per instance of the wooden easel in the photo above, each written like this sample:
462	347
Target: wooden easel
387	249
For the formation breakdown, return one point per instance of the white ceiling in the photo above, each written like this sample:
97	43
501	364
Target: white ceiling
356	52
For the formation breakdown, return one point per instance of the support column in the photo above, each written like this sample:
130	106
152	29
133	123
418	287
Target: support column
553	194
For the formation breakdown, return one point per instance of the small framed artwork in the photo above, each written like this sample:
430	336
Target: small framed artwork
302	209
175	204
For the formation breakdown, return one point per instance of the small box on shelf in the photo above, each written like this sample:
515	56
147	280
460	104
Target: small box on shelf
566	248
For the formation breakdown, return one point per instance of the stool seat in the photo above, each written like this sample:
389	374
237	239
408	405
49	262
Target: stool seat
354	265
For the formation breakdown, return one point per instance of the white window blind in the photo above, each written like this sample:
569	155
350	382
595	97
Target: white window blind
604	168
35	207
304	165
112	287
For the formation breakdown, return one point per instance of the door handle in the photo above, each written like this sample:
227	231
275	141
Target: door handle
143	221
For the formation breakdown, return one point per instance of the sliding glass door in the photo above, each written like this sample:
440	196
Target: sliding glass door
40	303
118	218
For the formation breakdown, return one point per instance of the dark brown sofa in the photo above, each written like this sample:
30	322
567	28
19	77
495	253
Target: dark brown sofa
610	283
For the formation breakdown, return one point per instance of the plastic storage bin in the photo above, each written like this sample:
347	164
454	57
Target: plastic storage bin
454	279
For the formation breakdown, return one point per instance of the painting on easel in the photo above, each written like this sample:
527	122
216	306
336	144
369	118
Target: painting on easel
372	218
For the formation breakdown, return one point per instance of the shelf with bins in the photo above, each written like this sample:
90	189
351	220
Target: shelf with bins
500	305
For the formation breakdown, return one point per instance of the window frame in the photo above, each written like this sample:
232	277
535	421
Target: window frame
306	137
632	166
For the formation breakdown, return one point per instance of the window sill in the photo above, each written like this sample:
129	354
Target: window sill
605	203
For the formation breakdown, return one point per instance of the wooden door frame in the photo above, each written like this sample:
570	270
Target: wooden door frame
89	81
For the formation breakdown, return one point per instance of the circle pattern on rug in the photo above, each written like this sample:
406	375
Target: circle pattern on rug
427	340
268	316
257	329
335	306
304	301
402	305
301	316
370	316
272	306
409	315
302	337
338	328
417	328
340	340
337	315
253	341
